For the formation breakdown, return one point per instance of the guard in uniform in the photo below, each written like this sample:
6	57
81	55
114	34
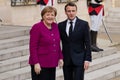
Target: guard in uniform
44	3
96	12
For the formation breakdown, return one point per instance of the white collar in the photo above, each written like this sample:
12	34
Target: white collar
74	20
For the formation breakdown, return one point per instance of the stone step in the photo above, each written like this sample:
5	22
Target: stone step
59	72
114	14
18	74
99	63
104	73
23	60
111	29
6	33
100	60
13	52
23	73
112	19
116	10
115	28
57	78
111	24
23	50
13	63
106	52
14	42
104	61
28	79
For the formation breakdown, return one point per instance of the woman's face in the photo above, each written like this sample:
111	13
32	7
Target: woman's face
49	17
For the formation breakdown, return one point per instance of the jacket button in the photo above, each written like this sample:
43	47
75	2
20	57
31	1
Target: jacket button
54	45
52	34
53	39
54	50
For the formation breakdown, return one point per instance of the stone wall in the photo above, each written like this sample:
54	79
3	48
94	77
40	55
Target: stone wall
28	15
117	3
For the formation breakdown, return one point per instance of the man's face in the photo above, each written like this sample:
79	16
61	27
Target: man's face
71	12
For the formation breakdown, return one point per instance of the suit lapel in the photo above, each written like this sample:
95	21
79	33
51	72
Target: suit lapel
77	24
64	28
76	28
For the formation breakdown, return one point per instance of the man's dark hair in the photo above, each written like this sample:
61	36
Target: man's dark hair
70	4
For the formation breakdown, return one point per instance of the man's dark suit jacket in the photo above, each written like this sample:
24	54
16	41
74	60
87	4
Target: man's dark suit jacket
77	46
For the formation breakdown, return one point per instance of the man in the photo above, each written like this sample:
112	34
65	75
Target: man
96	12
75	44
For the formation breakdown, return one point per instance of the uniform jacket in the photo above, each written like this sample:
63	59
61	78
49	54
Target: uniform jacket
94	9
44	45
43	2
77	46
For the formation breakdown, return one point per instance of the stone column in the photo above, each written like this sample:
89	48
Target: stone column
5	12
117	3
107	5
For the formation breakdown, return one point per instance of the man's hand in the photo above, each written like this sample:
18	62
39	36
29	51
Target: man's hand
86	65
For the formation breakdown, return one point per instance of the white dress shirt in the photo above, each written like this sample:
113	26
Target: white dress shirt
68	25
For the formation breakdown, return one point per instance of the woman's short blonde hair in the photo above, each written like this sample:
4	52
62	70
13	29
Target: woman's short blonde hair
48	9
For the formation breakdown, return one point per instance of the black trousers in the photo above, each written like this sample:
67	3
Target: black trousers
73	72
45	74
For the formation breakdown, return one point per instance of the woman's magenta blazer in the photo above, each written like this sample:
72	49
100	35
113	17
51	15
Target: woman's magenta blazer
44	45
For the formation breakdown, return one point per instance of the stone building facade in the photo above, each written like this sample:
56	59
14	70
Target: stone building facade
28	15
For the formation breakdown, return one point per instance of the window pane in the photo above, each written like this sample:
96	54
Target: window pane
62	1
22	2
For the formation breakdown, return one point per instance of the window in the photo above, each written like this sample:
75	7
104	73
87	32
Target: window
63	1
23	2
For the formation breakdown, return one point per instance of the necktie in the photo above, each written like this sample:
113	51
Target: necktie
70	29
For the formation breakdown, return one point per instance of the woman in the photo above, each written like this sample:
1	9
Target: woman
45	52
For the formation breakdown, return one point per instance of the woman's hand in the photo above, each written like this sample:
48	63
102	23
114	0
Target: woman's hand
60	63
37	68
